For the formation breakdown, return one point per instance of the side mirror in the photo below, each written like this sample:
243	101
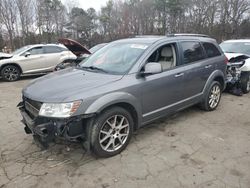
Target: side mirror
27	54
152	68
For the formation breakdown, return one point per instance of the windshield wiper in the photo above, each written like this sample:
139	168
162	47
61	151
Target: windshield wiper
94	68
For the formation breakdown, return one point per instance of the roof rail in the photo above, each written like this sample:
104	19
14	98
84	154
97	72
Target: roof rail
148	36
186	34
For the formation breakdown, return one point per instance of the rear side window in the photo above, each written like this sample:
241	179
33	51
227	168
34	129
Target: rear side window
63	49
192	51
211	49
52	49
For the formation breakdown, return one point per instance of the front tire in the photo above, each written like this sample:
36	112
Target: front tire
111	132
245	82
10	73
212	97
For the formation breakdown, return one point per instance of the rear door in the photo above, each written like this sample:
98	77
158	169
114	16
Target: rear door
197	67
53	56
214	55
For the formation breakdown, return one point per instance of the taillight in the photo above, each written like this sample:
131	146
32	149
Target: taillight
226	60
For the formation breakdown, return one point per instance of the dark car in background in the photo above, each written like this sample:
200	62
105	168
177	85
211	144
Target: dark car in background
97	47
79	50
76	48
122	87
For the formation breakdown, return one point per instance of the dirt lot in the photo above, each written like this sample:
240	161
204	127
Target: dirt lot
191	149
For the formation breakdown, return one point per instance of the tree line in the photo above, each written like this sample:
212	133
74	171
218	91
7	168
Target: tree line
24	22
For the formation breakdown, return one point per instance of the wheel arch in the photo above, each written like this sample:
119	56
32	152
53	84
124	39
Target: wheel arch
121	99
14	64
130	108
215	76
221	80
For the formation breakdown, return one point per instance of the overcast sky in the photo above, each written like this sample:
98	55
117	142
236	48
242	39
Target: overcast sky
96	4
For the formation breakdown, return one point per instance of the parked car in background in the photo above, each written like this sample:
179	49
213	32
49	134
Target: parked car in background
5	55
241	46
93	50
238	69
33	59
123	86
79	50
97	47
76	48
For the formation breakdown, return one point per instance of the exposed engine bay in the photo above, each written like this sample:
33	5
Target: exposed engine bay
238	73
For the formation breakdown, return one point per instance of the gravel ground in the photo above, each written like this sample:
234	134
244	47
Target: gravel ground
191	149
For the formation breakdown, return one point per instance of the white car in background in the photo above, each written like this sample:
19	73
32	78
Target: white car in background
238	69
33	59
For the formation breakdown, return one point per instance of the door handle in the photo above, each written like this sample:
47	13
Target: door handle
208	66
179	75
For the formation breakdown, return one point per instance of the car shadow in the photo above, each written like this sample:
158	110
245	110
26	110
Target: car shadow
23	78
73	154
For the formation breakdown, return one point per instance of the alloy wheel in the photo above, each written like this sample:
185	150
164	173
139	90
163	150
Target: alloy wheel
214	97
114	133
11	73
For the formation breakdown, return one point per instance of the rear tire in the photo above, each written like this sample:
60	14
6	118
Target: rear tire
10	73
245	82
111	132
212	97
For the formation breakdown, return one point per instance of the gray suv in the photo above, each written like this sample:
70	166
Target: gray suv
122	87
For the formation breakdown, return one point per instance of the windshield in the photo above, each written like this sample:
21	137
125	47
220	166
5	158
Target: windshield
236	47
115	58
20	50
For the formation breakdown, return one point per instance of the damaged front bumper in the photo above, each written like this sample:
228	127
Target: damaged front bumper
46	130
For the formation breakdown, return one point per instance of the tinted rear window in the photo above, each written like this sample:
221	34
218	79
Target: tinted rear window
192	51
211	49
52	49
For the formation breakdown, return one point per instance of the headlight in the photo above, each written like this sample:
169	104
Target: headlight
59	110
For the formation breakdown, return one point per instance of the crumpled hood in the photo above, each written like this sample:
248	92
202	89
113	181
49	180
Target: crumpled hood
60	86
5	55
233	55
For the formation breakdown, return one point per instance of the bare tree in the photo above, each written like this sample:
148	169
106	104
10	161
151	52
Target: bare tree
238	9
70	4
32	21
50	18
26	14
8	11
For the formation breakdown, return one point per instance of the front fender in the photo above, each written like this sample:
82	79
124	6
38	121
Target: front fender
246	66
112	99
